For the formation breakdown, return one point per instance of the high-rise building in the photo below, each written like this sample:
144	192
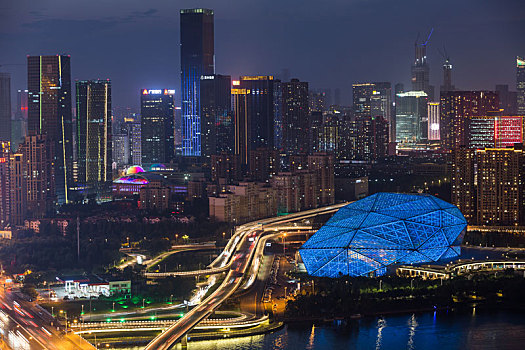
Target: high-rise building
487	185
411	117
94	132
121	150
227	167
323	165
507	99
197	59
421	69
295	117
5	184
317	101
456	107
495	131
157	130
50	114
462	182
264	111
257	114
500	184
263	164
35	173
240	121
372	100
216	115
5	107
135	142
447	76
17	190
520	84
19	123
433	121
325	133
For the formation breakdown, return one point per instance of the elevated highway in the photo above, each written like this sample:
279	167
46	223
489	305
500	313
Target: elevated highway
238	256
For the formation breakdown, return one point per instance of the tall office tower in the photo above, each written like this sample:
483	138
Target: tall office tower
5	188
5	107
157	132
507	99
520	84
263	110
456	107
197	58
17	194
317	101
447	76
94	131
216	115
263	164
421	69
411	117
37	175
120	149
295	117
463	191
135	143
433	121
50	114
323	165
500	184
241	123
374	99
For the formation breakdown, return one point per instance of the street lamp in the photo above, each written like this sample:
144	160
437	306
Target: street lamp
171	299
143	300
113	308
284	243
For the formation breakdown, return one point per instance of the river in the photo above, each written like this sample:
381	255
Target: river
441	330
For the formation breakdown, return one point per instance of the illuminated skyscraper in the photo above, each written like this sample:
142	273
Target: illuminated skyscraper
5	107
456	107
216	115
411	117
295	117
240	116
433	121
372	100
197	59
421	69
157	129
495	131
520	84
50	114
94	136
263	112
447	76
19	124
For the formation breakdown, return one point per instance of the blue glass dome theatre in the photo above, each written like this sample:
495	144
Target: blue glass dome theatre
366	236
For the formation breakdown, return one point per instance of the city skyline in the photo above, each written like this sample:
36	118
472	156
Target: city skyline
284	41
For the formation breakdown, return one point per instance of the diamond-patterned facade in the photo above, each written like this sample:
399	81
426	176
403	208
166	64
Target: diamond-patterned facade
366	236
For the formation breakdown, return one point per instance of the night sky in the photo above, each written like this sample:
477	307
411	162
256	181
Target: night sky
330	44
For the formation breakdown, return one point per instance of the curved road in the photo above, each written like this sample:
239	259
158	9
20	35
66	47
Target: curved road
241	253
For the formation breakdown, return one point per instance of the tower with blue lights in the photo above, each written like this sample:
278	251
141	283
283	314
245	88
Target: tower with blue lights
197	59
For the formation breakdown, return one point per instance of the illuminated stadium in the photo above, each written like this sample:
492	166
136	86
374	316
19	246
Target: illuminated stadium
365	237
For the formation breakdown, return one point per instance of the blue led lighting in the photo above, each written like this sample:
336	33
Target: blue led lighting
366	236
